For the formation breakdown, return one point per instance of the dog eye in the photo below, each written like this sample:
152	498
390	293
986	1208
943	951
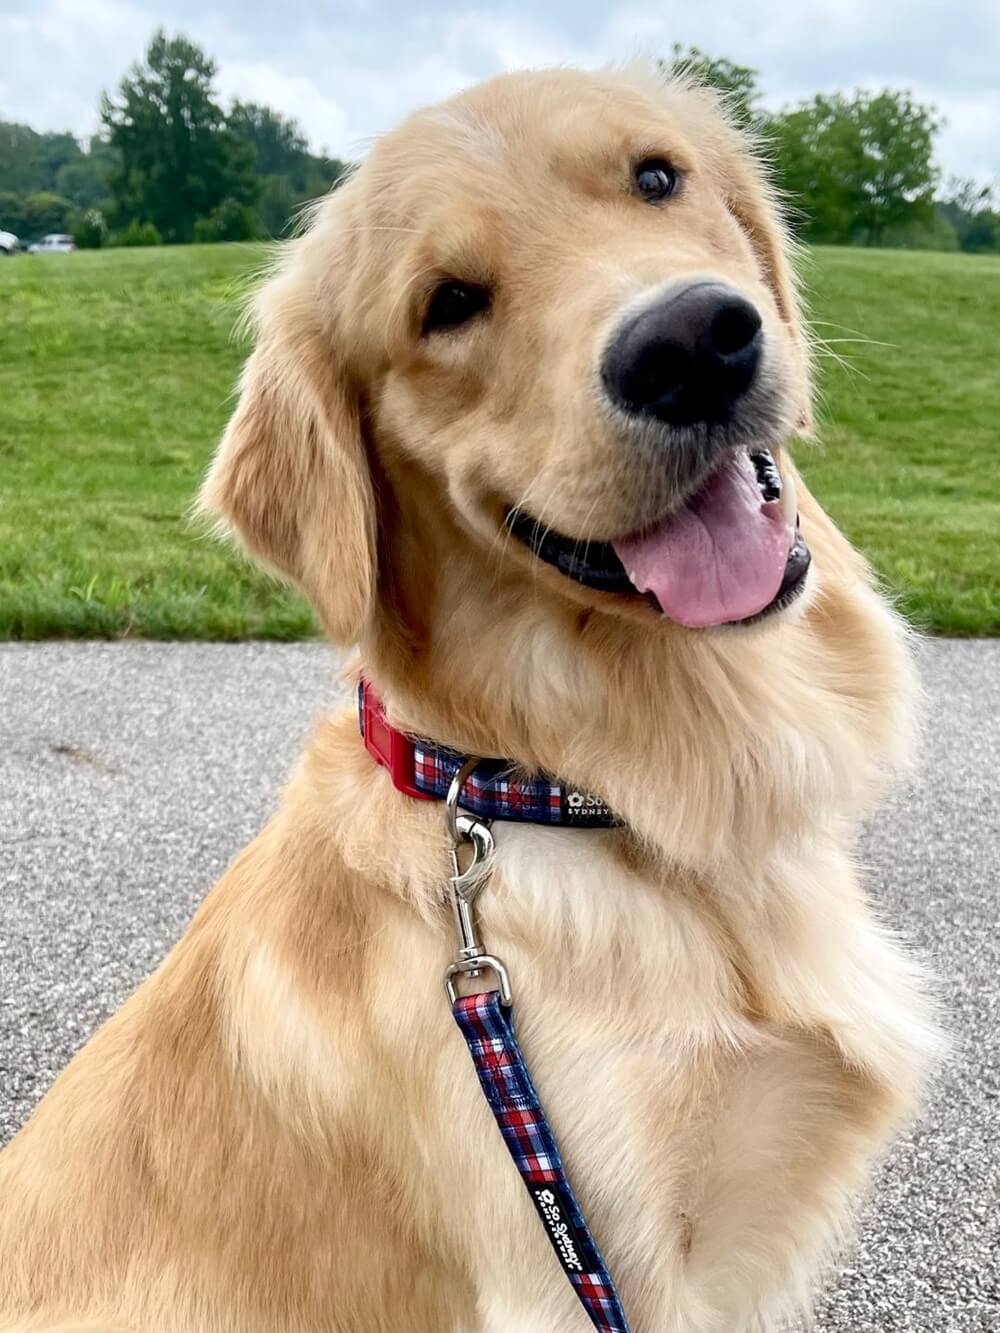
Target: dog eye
455	303
654	180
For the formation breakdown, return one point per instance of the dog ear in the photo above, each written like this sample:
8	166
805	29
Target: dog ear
291	475
753	202
737	161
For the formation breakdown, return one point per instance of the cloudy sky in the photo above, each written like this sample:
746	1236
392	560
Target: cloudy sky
349	69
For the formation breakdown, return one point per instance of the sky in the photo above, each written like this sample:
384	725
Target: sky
349	70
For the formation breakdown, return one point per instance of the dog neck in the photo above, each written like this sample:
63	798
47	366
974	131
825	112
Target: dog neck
709	747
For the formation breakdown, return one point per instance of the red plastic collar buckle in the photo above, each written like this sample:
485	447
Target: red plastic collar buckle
391	748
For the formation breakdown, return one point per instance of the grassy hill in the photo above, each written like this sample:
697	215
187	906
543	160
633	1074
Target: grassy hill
909	431
116	369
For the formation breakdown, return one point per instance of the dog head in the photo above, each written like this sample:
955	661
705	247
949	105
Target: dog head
554	317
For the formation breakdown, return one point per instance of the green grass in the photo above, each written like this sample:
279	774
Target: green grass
909	433
115	376
116	370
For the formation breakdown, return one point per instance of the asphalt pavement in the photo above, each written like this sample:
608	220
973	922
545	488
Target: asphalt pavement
131	773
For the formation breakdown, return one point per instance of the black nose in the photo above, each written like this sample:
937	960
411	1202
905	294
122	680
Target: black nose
688	358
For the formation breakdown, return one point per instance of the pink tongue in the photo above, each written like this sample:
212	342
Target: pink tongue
721	558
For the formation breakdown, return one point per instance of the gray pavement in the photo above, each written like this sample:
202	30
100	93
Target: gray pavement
131	773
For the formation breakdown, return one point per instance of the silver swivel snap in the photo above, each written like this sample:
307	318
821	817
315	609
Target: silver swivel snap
464	886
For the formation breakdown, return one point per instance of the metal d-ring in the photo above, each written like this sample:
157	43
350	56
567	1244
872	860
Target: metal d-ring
472	968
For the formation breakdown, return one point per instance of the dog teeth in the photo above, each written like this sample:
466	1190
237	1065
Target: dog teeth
774	487
789	502
768	476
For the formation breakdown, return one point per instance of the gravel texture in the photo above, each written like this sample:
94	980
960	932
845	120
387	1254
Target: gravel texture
131	773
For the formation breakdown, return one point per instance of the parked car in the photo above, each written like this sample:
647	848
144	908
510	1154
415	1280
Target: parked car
8	243
56	243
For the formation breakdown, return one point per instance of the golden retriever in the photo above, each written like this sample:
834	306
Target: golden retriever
516	420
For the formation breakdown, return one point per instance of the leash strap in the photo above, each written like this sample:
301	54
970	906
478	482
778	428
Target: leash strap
488	1027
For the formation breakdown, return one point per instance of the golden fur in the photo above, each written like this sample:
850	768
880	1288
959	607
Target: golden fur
281	1129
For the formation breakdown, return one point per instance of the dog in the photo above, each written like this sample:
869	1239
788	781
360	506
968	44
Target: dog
517	421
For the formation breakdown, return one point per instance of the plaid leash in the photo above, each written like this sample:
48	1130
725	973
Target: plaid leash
490	789
488	1027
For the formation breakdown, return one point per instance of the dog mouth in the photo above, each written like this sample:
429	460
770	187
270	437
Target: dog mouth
730	554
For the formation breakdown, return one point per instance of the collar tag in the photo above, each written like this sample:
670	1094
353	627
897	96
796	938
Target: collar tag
584	809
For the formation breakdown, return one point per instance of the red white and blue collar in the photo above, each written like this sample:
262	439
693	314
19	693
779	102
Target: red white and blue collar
493	790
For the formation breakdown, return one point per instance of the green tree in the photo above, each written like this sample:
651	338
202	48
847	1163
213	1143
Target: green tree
12	212
277	204
858	168
738	83
54	152
31	162
87	179
83	184
18	158
178	157
289	174
279	147
44	212
973	210
231	221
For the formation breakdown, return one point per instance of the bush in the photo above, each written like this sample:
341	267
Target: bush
89	229
231	221
137	233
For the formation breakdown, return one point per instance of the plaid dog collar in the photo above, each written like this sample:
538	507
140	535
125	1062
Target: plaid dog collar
420	768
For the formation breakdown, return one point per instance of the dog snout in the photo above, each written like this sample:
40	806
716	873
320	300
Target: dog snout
687	358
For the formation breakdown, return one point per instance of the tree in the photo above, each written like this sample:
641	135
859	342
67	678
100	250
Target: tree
289	174
231	221
974	212
738	83
87	179
859	168
178	157
12	212
54	152
276	204
278	144
44	212
31	162
18	148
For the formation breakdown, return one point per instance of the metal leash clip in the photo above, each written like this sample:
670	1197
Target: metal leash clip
465	886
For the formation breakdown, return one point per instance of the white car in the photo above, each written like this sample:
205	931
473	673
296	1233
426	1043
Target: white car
8	243
57	243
